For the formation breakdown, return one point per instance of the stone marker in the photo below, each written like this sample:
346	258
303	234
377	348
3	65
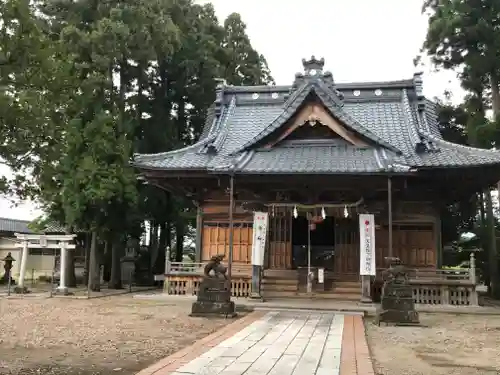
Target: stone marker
397	297
214	294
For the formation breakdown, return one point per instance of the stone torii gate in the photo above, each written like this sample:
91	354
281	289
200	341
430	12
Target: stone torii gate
41	241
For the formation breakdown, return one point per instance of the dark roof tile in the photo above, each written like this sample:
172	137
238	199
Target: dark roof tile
396	118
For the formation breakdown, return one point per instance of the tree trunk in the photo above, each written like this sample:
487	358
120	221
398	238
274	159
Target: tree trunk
116	266
159	265
153	248
493	258
94	275
485	243
481	209
70	265
106	274
180	230
70	268
493	286
87	244
495	96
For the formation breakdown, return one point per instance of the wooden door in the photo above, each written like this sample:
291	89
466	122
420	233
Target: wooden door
280	240
346	263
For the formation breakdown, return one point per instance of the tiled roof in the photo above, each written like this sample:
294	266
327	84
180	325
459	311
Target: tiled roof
14	225
314	159
400	123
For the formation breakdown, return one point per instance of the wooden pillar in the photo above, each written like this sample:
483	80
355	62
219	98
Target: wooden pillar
439	245
199	234
231	231
389	208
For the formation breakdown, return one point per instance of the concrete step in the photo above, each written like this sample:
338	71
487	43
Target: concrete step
281	274
279	287
347	284
279	294
317	296
278	281
341	290
338	296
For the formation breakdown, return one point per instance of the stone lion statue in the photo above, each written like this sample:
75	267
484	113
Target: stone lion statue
215	266
396	272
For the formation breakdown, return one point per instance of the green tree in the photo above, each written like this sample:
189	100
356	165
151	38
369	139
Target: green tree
463	35
243	64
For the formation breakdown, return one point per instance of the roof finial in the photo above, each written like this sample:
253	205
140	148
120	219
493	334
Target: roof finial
219	94
418	83
313	66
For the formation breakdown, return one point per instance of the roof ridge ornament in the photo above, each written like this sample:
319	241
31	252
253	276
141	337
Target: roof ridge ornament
219	95
313	66
418	83
314	74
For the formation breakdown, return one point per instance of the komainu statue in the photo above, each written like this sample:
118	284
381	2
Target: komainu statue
398	305
216	266
396	273
214	292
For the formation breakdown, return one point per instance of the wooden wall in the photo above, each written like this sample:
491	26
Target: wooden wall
414	243
215	240
215	232
414	238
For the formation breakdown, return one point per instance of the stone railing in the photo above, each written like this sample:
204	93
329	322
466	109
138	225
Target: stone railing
184	278
441	286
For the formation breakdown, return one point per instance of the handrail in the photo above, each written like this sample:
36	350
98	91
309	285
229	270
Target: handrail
193	268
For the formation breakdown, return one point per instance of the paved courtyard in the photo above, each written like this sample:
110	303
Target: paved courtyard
277	343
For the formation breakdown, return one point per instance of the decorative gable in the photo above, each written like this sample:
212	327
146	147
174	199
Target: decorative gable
313	99
306	123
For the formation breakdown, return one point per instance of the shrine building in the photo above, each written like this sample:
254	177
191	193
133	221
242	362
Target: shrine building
314	156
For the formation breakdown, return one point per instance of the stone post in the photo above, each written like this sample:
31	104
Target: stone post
474	299
366	292
24	263
166	284
255	292
62	289
472	269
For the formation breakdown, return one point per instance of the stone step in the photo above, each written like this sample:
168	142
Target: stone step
347	284
279	287
281	274
280	281
347	290
318	296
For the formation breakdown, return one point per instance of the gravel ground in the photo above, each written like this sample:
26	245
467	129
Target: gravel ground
113	335
445	345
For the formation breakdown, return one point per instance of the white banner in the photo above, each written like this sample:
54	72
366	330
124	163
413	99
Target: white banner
367	244
260	221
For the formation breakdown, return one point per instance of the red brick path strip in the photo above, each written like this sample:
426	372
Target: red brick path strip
175	361
355	358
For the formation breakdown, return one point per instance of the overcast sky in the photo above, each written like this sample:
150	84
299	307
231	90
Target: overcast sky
360	40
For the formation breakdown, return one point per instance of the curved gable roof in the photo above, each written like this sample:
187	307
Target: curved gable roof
330	100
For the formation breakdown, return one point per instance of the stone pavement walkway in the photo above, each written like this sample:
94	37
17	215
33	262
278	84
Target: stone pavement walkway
276	343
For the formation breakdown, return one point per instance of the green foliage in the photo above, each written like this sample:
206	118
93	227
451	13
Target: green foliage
85	84
463	32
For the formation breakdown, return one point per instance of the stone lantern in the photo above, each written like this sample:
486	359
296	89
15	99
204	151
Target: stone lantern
8	260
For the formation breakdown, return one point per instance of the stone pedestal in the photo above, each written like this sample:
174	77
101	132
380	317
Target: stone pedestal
214	298
397	304
256	292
